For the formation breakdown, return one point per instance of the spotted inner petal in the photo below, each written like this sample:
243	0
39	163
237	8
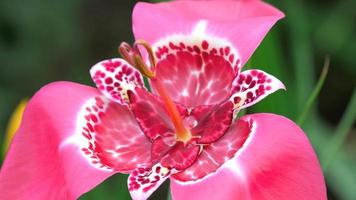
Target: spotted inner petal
196	71
214	123
207	125
161	146
151	113
216	154
143	181
181	156
115	77
110	136
251	86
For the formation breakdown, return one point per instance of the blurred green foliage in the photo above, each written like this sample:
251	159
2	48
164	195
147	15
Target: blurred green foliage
44	41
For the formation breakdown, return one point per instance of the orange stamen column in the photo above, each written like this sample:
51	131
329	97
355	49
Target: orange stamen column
182	133
133	56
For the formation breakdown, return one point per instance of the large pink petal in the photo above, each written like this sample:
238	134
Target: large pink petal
243	23
276	162
45	160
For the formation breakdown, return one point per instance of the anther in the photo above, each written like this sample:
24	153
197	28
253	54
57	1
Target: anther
134	57
127	53
149	51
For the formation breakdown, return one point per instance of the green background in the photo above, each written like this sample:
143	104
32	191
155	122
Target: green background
45	41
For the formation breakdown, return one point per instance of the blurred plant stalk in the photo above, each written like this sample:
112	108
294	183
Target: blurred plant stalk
340	135
315	93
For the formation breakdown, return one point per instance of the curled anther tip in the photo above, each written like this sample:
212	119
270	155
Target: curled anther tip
133	56
149	51
144	69
127	53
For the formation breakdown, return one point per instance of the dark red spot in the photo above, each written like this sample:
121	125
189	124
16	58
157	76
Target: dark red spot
238	88
231	58
254	72
136	186
91	128
242	77
165	49
227	50
213	51
205	44
145	181
260	75
141	170
94	118
109	88
248	79
221	51
196	49
190	49
237	100
182	45
172	46
253	83
134	173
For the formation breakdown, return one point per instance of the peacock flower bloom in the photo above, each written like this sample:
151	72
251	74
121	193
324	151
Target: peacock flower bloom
73	137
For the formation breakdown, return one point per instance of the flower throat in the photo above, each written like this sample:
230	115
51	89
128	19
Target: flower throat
133	56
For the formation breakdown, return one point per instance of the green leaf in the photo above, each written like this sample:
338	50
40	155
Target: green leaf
112	189
341	133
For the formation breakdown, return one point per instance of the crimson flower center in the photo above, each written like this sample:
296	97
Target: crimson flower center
133	56
181	132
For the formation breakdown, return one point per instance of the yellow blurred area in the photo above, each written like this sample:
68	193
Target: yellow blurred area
14	123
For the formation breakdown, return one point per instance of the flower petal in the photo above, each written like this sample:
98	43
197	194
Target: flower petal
217	153
110	136
38	164
196	71
277	162
143	181
251	86
161	146
150	112
181	156
115	77
243	23
214	124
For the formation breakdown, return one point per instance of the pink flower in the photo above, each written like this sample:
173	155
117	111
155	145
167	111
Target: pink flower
72	136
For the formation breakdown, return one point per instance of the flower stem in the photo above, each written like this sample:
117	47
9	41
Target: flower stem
315	93
341	133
